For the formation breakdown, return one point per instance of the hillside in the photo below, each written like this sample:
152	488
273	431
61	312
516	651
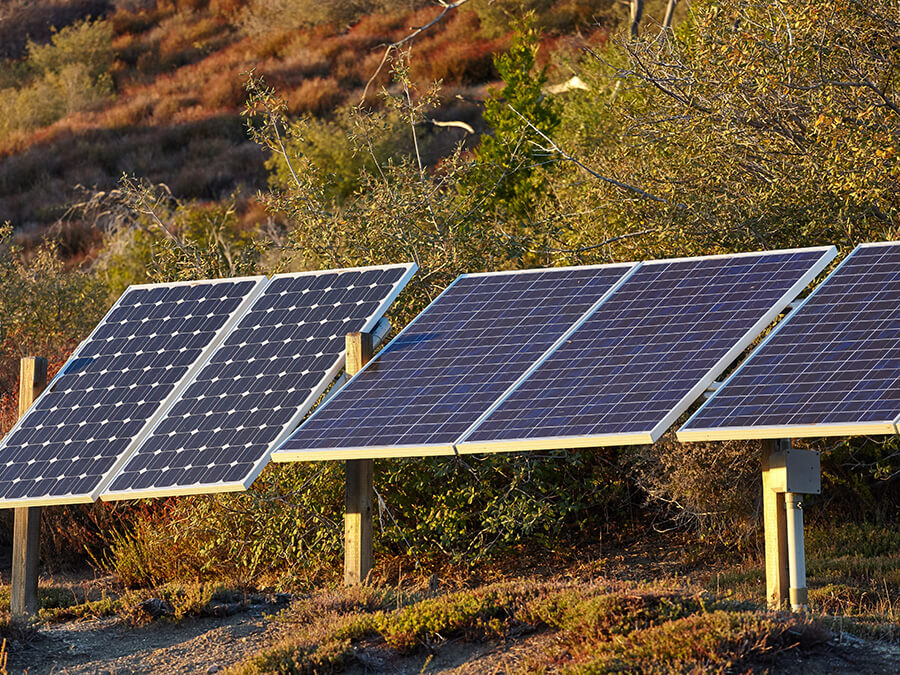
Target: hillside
178	69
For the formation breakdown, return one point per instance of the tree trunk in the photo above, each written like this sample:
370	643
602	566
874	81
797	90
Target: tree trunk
670	10
637	10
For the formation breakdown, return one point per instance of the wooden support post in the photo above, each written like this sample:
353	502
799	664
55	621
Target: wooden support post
27	520
775	526
359	486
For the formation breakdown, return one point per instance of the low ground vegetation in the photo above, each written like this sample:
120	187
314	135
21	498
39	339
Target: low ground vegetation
643	606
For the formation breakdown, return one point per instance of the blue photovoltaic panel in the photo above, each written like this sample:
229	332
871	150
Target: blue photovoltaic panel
450	364
128	370
257	386
832	367
648	352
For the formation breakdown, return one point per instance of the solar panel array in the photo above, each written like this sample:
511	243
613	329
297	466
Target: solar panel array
121	377
186	388
451	363
268	373
832	367
647	352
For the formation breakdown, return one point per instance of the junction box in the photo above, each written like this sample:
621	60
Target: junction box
795	470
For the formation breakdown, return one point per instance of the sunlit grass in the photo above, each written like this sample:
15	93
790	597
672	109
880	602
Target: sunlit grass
853	576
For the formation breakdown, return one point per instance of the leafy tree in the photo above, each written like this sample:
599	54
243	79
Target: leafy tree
750	128
37	295
509	159
68	74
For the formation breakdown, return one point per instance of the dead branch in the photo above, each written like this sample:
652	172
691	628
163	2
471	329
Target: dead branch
448	7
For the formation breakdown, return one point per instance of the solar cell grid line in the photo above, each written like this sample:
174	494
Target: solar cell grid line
831	368
120	379
258	385
626	373
450	364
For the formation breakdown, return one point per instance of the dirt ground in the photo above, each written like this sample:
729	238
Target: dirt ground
109	646
207	645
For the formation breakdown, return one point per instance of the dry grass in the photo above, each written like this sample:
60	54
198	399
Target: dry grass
853	575
170	602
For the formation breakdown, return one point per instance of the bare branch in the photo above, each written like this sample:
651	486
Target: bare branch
138	197
448	7
605	242
551	146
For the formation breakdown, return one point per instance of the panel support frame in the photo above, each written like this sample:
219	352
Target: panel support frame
359	485
783	522
26	552
799	595
774	529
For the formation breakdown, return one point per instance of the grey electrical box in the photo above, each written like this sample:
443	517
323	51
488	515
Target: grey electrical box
795	470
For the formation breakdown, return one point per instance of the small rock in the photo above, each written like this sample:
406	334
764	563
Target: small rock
213	669
156	607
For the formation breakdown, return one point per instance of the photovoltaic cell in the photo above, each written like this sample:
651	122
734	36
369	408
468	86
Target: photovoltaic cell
832	367
107	395
257	386
450	364
648	352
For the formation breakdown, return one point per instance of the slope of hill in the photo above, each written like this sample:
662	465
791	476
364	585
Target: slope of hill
178	70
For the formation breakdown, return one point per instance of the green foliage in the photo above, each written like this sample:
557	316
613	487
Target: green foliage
68	74
694	642
853	570
520	117
287	529
87	42
345	149
36	300
106	605
282	530
738	128
498	16
154	237
470	508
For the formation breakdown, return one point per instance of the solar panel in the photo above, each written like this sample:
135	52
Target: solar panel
831	368
256	388
450	364
626	373
115	386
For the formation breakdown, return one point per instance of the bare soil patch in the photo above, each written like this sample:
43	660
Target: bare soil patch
196	645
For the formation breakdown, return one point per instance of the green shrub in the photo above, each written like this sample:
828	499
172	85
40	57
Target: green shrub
68	74
36	301
285	529
87	42
518	114
693	643
499	16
